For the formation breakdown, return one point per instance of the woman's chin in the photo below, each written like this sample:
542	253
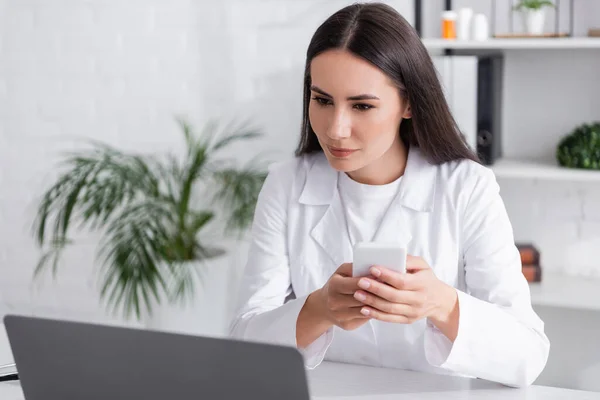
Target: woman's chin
342	164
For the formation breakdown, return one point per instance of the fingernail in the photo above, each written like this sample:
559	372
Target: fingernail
364	284
365	311
359	296
376	272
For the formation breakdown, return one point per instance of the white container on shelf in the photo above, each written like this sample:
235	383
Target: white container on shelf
480	28
465	16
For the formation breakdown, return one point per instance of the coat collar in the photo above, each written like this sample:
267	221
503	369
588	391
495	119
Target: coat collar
417	188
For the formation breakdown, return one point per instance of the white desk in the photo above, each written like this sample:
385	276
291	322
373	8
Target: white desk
10	391
353	382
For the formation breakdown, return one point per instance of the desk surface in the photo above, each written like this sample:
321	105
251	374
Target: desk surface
353	382
332	381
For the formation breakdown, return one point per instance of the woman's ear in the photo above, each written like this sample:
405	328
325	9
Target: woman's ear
407	113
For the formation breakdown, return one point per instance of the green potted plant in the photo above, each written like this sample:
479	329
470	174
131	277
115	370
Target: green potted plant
580	148
534	14
154	214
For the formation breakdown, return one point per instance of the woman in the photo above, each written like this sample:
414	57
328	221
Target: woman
381	159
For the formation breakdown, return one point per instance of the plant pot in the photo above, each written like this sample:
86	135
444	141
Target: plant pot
208	312
533	21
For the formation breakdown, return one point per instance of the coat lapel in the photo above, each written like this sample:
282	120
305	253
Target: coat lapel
330	231
415	195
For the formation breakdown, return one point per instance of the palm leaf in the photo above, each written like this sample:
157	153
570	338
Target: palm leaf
143	205
134	248
182	283
96	184
191	173
234	137
170	175
199	220
186	129
238	192
51	256
234	131
50	198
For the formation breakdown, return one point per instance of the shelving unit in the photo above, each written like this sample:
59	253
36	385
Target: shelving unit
514	44
541	169
507	167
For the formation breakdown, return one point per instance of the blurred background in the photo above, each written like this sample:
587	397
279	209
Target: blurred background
122	72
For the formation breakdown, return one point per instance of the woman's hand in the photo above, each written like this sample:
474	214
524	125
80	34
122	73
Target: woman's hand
405	298
337	299
333	304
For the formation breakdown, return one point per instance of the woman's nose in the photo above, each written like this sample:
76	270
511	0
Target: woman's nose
339	128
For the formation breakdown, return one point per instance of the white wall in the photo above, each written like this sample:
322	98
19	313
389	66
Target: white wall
547	94
120	71
70	69
105	70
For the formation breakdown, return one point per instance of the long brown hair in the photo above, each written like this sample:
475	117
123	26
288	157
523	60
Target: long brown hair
379	34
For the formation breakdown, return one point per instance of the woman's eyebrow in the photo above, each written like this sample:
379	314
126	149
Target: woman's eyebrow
359	97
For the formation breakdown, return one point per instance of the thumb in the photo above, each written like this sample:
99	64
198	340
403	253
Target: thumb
415	264
345	269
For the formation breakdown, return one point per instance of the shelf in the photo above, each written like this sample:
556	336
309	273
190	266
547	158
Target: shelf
515	44
557	290
546	170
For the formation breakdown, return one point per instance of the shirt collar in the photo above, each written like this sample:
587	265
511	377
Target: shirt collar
417	188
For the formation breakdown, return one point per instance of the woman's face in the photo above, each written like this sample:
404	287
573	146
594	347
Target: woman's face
355	110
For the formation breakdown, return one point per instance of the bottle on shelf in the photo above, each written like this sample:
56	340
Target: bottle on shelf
480	29
449	24
465	16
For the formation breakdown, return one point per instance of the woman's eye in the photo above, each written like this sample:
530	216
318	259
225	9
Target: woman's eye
322	101
363	107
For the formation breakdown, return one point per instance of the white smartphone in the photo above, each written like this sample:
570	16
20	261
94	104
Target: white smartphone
368	254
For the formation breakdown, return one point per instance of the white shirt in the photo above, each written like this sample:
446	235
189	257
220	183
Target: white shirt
365	206
451	215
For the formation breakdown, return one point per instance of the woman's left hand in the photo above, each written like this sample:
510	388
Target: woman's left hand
405	298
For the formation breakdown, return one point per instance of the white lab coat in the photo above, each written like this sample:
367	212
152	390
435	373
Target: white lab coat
451	215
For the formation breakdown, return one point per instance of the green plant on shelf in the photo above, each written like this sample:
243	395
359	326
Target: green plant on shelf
152	212
533	4
580	148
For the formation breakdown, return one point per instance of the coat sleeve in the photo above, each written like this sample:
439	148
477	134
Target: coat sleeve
500	337
267	310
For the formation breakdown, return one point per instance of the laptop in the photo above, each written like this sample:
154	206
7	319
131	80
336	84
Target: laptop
63	360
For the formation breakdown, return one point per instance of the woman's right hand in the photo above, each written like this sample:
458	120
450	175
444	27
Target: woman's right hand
337	301
333	304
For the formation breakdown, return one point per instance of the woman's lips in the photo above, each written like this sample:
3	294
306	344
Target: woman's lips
340	152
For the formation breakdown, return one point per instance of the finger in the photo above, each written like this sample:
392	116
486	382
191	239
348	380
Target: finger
342	301
402	297
415	263
386	291
379	303
380	289
387	317
351	313
345	285
395	279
